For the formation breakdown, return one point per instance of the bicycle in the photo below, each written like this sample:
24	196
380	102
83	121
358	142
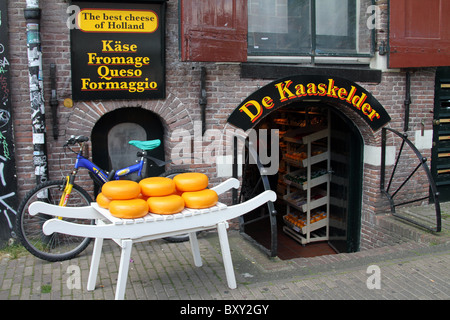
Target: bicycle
59	247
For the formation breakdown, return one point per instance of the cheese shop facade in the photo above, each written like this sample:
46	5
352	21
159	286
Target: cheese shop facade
318	101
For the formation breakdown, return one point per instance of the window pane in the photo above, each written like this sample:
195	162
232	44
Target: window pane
335	26
332	17
341	27
280	27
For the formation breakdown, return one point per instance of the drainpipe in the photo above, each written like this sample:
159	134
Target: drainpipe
32	14
407	101
202	101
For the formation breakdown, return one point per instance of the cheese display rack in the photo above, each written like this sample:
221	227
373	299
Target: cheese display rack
305	175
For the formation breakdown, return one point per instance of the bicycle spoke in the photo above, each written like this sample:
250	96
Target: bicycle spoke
55	247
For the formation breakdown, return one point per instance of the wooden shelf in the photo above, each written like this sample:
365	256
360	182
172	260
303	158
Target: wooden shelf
297	226
313	204
307	184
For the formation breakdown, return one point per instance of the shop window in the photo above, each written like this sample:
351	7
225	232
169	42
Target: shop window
419	33
310	28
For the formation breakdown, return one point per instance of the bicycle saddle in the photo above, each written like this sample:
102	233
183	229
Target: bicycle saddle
145	145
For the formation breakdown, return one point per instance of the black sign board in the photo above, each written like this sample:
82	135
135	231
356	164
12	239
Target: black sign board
117	50
309	87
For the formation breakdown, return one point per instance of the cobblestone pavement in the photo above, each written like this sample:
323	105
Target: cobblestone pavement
165	271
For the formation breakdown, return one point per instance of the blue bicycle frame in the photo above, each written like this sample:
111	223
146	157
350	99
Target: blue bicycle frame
97	174
83	162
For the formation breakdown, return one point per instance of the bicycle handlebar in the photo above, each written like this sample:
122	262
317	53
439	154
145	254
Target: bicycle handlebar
75	139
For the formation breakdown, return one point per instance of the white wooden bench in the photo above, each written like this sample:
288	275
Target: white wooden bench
125	232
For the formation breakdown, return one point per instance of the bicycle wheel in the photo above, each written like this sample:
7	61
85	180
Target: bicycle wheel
170	174
55	247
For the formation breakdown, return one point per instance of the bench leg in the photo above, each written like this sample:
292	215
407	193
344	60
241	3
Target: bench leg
195	249
127	246
226	254
95	262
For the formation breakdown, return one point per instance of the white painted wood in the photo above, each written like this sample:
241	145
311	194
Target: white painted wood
195	249
95	263
228	184
86	212
226	254
127	246
127	231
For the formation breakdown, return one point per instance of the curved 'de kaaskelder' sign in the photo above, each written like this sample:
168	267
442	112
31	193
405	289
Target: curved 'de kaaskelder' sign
309	87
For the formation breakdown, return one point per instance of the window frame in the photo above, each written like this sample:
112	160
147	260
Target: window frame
313	57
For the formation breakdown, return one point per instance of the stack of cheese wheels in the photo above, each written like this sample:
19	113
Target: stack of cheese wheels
161	195
193	189
121	197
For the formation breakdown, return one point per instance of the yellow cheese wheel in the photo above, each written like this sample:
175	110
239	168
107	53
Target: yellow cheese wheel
103	201
121	189
128	209
157	186
191	181
141	196
200	199
166	205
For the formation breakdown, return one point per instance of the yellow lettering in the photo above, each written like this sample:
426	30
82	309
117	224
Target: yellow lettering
351	94
312	89
322	89
366	109
373	114
268	102
253	116
84	83
107	45
342	93
283	90
91	57
331	89
358	101
300	90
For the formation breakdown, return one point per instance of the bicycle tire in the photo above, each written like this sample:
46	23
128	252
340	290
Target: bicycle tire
56	247
181	237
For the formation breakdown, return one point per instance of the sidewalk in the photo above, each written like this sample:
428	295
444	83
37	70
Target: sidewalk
162	271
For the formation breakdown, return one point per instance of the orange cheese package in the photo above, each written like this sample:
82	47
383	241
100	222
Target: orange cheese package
170	204
157	186
121	189
103	201
200	199
128	199
191	181
128	209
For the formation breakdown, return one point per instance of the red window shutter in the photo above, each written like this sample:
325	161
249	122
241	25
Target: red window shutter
214	30
419	33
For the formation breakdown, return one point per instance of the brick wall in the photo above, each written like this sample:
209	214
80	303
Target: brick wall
180	110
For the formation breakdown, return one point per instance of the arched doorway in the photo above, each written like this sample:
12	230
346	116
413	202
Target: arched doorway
344	192
317	109
111	133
